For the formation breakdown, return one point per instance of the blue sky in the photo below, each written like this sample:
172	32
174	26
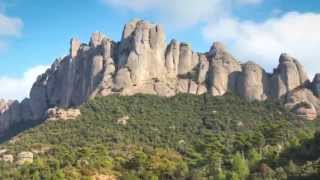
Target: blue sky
35	32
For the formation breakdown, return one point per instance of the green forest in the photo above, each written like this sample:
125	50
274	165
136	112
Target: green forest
185	137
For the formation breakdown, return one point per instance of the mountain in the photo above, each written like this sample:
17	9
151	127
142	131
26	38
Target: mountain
181	137
141	62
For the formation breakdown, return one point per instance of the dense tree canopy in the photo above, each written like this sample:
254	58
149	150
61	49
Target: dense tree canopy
182	137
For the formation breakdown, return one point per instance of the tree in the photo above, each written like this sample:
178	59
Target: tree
254	157
240	166
167	164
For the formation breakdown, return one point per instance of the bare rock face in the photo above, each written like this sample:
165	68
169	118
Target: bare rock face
187	59
223	71
316	85
10	115
74	47
253	82
3	106
141	52
96	39
172	58
203	69
288	76
38	97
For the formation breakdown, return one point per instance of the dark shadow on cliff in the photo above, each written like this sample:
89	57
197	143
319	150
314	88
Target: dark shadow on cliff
16	129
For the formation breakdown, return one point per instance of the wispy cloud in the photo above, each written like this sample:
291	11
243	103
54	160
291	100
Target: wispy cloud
182	13
18	88
10	26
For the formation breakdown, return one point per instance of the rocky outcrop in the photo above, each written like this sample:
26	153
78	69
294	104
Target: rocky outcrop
141	52
305	110
3	151
141	62
54	114
289	75
223	72
305	97
24	158
123	121
253	82
8	158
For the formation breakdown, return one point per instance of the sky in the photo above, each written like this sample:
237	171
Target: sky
33	33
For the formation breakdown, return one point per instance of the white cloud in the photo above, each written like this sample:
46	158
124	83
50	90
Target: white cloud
249	1
182	13
294	33
18	88
10	26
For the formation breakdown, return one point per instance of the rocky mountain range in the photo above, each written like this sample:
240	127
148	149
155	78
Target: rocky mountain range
142	62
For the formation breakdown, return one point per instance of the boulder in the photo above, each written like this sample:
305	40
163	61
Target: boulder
2	151
305	97
24	158
123	120
7	158
54	114
305	111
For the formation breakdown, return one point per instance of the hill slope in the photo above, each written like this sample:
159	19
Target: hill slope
150	137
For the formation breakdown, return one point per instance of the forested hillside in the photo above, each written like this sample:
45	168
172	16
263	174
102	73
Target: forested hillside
182	137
